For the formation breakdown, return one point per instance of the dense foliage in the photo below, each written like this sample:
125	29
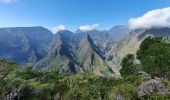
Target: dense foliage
33	85
154	54
129	68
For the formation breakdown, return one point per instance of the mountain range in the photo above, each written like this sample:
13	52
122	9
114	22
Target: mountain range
24	45
95	51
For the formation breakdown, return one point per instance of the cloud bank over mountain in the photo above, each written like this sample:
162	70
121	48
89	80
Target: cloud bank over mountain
88	27
58	28
153	18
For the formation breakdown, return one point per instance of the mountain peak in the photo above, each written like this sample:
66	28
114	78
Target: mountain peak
25	45
79	50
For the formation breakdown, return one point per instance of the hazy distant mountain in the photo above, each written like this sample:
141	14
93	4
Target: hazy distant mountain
107	38
118	32
24	45
75	53
100	38
130	44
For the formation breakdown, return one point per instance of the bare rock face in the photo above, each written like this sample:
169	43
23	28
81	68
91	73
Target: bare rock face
156	86
74	53
25	45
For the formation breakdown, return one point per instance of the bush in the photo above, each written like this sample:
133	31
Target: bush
154	54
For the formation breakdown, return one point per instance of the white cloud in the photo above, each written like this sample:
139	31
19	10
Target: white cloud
7	1
88	27
153	18
58	28
61	27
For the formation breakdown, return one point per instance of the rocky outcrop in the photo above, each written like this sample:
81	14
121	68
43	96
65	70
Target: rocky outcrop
153	86
12	95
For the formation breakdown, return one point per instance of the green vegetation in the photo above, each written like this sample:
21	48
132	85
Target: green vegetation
29	84
34	85
154	54
128	67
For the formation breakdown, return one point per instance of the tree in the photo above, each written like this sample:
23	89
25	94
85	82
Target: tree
154	54
145	45
128	68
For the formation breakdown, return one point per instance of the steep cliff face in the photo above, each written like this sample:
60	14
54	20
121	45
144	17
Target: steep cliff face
91	57
24	45
75	53
90	51
118	32
131	43
100	38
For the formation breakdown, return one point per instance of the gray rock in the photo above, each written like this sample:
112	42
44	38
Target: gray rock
119	97
155	85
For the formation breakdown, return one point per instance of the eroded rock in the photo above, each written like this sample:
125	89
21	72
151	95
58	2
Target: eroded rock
156	86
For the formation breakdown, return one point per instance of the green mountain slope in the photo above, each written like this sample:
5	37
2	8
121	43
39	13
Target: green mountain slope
75	53
131	43
24	45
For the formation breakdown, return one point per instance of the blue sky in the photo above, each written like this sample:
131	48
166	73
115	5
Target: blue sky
74	13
